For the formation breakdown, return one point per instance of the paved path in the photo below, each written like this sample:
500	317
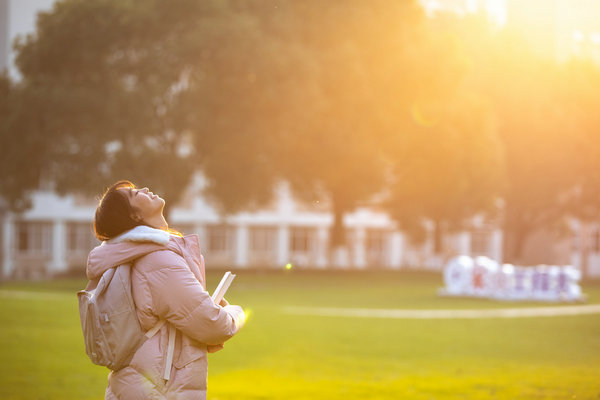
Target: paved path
446	314
528	312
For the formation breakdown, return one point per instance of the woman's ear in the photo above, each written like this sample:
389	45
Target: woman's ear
135	214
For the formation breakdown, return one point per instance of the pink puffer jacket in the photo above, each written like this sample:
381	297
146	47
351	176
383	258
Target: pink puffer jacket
168	282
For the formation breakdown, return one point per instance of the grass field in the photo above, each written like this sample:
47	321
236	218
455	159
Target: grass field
284	356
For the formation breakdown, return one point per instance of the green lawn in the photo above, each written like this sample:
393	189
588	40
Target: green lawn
283	356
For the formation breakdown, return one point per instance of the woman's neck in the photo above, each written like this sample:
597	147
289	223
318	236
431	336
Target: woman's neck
158	221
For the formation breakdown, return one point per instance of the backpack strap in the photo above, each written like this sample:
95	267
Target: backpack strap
170	350
172	331
170	347
155	328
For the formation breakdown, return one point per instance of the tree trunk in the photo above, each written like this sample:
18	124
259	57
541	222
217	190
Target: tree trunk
515	238
584	248
337	232
3	213
515	231
438	238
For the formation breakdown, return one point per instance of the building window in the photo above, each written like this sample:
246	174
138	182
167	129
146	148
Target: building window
376	247
33	238
481	242
263	239
349	237
300	240
376	241
80	237
303	246
220	238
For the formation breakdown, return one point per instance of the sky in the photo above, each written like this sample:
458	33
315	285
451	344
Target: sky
21	21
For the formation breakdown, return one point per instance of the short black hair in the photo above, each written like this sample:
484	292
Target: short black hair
114	214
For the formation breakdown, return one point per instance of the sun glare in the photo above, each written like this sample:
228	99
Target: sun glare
420	117
558	29
248	314
494	9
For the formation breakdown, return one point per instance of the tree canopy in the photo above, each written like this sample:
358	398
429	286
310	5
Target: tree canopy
249	92
352	102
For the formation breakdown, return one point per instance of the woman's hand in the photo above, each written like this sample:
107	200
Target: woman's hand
213	348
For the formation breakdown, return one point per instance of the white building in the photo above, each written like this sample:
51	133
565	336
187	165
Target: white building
55	236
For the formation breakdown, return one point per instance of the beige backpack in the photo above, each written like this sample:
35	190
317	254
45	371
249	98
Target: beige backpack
111	330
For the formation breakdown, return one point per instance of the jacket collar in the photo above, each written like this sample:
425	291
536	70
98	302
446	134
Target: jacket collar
142	233
128	247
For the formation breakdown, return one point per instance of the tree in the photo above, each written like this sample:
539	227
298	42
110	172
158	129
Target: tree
25	148
448	164
536	132
250	92
153	91
579	88
457	174
99	96
115	89
535	127
367	62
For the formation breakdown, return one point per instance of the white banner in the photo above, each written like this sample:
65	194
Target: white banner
484	277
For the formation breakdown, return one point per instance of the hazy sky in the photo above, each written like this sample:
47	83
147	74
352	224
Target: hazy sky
21	20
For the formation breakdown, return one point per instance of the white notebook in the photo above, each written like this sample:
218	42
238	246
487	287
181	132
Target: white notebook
221	289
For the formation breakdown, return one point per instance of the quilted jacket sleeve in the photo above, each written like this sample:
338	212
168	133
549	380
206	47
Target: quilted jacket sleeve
178	297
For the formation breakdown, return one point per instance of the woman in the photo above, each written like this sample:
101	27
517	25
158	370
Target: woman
167	283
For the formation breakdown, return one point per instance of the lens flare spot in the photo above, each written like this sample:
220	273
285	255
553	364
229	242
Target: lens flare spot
288	266
420	117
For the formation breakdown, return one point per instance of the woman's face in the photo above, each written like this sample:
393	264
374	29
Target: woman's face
145	203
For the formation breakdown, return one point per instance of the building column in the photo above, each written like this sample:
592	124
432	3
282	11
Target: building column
241	244
464	243
283	245
497	245
59	247
360	248
395	252
8	257
200	230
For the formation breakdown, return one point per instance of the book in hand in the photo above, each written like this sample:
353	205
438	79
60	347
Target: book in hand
221	289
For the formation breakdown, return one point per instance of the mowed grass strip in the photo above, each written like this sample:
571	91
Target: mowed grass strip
283	356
